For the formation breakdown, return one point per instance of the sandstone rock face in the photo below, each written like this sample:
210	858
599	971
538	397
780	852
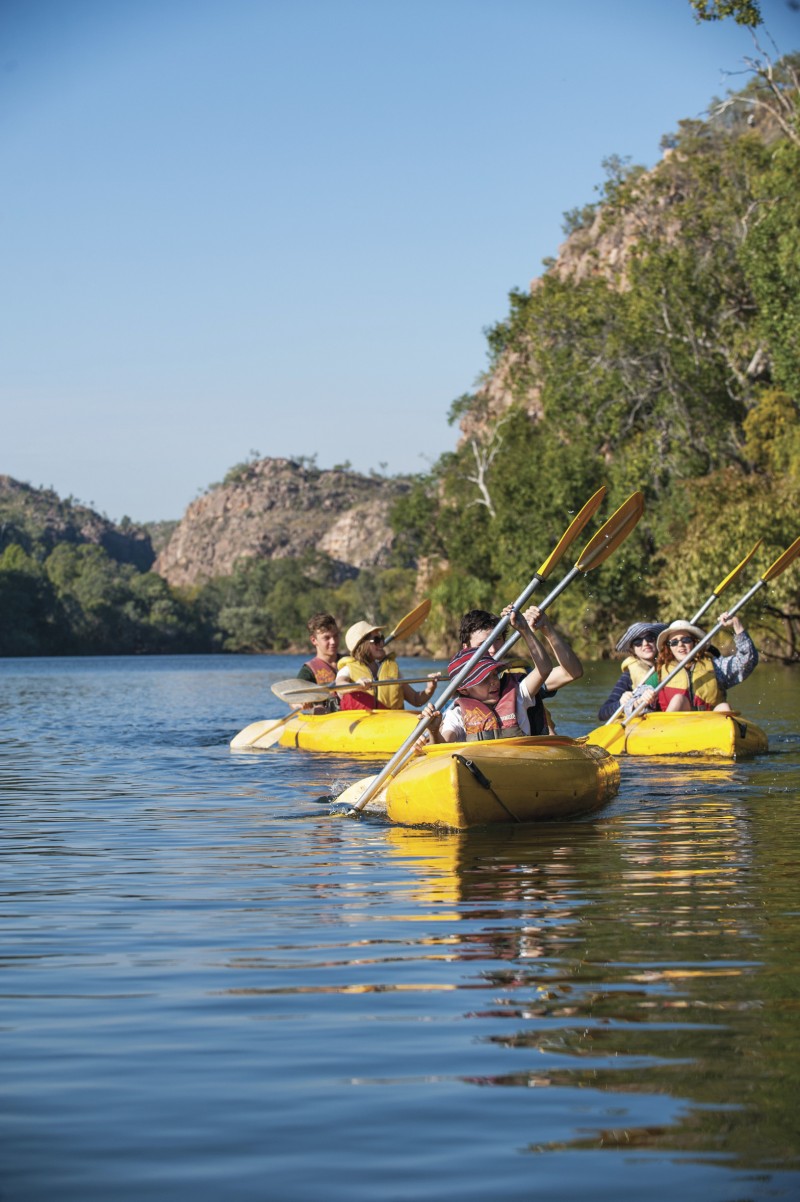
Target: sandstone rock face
276	508
37	519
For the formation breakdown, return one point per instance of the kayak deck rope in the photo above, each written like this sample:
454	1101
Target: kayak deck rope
484	782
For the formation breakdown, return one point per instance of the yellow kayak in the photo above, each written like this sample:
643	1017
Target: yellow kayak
532	779
348	732
709	732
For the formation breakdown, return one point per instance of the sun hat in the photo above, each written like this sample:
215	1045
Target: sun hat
674	627
358	632
636	630
483	668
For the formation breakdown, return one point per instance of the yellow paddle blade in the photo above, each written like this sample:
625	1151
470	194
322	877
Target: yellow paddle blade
614	532
411	622
571	533
782	562
729	579
610	738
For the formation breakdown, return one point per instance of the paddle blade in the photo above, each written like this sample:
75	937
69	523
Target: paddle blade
610	737
411	622
614	532
256	732
729	579
349	799
782	562
296	691
571	533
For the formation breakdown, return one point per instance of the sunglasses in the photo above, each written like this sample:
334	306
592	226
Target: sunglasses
646	638
686	641
376	638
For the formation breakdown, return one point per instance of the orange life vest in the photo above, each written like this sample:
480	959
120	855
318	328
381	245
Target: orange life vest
323	672
483	721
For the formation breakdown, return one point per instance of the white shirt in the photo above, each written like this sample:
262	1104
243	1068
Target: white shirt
452	721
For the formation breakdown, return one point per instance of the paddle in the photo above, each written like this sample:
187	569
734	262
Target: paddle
780	565
619	525
294	690
567	538
723	584
729	579
268	728
410	623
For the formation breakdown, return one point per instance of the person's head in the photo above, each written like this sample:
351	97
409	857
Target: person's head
482	682
365	643
474	628
324	635
640	639
677	640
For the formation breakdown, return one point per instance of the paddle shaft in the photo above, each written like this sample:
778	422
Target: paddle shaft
360	684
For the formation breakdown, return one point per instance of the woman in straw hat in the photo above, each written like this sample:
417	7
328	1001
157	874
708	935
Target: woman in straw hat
369	661
638	645
703	683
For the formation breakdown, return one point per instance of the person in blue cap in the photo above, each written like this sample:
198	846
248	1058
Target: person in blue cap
639	646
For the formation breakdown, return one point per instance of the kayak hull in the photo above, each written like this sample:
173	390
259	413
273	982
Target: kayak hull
504	781
708	733
350	732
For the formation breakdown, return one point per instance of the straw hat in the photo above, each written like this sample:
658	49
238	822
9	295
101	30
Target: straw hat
636	630
685	627
358	632
483	668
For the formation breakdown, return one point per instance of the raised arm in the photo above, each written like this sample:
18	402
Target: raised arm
542	663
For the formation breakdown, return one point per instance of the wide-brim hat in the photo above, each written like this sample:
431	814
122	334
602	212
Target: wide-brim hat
636	630
483	668
674	627
358	632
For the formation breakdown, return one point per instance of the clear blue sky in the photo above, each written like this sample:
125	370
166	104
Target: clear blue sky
284	225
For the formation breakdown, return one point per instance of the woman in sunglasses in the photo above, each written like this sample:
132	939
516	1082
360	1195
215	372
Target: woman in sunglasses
638	645
703	683
369	661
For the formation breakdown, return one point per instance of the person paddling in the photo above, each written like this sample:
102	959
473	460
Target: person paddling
703	683
490	705
477	624
638	645
370	661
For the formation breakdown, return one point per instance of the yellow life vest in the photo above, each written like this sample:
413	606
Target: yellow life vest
699	683
389	695
639	671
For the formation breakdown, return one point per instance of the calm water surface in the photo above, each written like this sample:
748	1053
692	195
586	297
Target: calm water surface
210	984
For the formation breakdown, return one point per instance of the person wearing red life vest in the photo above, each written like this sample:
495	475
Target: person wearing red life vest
489	706
323	632
703	683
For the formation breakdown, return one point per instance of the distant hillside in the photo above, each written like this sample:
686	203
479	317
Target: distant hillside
37	520
278	509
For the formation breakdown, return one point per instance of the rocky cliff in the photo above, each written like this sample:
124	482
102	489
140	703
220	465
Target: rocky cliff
277	508
37	519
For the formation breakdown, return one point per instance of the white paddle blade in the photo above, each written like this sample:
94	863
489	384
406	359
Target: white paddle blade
347	800
252	733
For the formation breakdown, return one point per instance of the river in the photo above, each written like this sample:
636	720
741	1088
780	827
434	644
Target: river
212	987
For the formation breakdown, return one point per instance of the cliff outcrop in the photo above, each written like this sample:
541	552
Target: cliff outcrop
279	508
37	519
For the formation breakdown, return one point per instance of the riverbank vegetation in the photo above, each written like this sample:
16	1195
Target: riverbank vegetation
660	351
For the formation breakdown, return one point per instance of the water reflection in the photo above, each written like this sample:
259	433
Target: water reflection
205	979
